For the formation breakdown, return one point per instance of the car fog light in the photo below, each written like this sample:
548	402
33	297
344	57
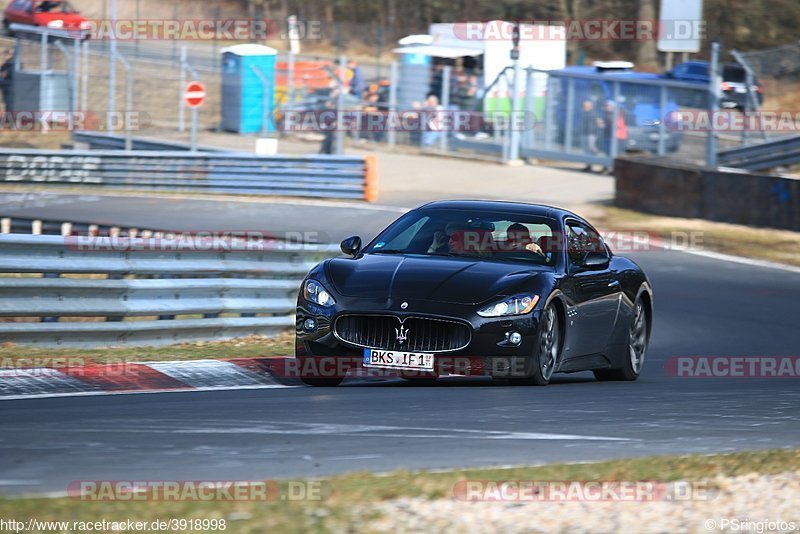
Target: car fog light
515	338
309	325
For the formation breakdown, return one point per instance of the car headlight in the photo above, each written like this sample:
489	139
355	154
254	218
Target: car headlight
516	305
55	24
314	292
86	25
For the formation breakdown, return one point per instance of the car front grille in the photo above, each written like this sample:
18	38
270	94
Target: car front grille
422	334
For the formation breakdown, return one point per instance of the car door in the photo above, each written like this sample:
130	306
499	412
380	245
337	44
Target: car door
595	292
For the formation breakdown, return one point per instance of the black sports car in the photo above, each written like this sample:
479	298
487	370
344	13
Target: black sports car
518	291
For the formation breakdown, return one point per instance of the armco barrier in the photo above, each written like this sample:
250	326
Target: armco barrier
666	187
320	176
255	287
104	141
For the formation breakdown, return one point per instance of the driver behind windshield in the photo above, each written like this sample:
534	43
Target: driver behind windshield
457	238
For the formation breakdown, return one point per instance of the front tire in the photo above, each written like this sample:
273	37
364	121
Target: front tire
548	351
637	346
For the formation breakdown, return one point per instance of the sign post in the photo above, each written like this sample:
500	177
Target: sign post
194	95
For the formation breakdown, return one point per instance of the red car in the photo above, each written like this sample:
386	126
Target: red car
55	14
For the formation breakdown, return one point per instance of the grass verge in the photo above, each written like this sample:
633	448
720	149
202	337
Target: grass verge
346	500
779	246
248	347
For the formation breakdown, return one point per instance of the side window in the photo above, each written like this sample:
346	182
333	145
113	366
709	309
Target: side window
580	240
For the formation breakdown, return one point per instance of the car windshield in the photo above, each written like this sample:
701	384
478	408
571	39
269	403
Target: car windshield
733	73
54	6
489	235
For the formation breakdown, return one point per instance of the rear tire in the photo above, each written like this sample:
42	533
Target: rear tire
543	363
636	348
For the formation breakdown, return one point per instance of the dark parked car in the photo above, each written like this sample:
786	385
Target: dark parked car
521	291
733	84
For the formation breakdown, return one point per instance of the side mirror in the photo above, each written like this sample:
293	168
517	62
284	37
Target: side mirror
595	261
351	245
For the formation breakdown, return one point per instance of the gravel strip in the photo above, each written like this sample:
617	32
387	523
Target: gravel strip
749	498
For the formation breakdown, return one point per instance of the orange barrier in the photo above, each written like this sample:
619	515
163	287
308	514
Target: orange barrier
307	74
371	178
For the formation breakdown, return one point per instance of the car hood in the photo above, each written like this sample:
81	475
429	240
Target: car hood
455	280
71	20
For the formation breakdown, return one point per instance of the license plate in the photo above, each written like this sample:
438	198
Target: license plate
740	89
390	359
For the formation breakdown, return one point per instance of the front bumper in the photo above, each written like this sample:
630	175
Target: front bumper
488	351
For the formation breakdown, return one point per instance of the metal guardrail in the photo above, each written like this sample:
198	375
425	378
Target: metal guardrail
101	141
131	281
320	176
762	156
39	226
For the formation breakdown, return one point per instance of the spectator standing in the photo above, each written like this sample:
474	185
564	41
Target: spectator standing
7	78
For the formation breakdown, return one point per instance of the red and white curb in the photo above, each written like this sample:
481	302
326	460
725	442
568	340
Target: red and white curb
159	377
144	377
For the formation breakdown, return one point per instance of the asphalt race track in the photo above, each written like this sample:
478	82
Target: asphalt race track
703	307
303	431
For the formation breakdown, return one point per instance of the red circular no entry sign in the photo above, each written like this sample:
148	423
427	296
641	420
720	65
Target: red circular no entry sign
194	94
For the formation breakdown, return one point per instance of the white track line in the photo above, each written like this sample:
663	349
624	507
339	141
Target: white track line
142	392
736	259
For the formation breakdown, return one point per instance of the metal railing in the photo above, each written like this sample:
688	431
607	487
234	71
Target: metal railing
123	291
762	156
352	177
104	141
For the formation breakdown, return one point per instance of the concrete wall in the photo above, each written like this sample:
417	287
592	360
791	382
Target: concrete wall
653	185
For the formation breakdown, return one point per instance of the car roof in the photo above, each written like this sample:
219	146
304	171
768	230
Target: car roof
526	208
616	73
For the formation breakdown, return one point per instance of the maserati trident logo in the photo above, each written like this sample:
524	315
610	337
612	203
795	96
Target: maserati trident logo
402	334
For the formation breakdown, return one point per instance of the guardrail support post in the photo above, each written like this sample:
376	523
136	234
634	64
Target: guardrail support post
445	105
569	118
340	105
614	143
662	130
513	149
391	135
713	105
181	87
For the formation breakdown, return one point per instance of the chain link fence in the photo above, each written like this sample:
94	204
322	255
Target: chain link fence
578	114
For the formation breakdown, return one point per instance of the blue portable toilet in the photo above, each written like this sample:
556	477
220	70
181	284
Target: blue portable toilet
243	98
